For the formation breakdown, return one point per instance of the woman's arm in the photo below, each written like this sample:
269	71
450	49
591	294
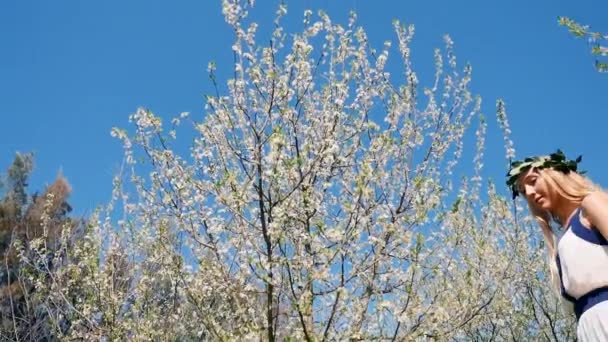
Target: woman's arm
595	208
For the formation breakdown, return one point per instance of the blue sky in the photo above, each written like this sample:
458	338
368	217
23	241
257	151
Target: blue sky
71	70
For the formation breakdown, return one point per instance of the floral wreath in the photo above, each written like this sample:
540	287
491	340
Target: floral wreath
556	161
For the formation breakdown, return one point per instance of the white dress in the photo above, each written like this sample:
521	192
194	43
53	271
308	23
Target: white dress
582	262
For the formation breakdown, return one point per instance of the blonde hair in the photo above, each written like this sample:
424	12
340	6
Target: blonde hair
572	187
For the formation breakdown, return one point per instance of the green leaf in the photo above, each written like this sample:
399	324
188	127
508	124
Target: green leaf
601	66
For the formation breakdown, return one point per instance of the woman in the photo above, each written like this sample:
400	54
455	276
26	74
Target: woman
579	262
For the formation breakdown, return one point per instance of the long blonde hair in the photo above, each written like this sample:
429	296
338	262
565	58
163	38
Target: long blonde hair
572	187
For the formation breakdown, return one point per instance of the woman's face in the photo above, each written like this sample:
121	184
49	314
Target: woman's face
536	190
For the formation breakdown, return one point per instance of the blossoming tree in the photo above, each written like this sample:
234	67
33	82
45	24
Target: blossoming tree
596	40
323	198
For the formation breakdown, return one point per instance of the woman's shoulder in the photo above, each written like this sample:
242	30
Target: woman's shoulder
596	200
596	194
595	211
